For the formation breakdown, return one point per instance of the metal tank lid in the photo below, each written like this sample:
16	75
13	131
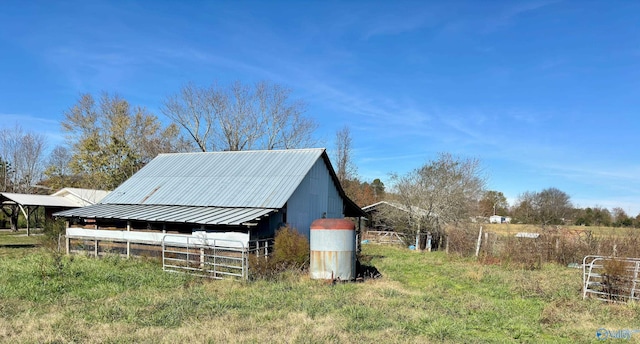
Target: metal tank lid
333	224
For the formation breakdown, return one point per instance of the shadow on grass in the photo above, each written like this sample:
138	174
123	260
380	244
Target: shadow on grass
364	271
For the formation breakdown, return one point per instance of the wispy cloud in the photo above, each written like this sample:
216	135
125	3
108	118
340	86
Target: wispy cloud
101	68
502	15
622	176
48	127
507	15
394	23
25	118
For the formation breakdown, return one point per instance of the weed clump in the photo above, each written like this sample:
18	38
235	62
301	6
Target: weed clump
617	279
53	233
290	254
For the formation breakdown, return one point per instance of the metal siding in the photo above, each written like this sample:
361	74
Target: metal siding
335	207
313	198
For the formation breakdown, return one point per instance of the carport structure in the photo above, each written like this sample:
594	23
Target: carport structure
64	199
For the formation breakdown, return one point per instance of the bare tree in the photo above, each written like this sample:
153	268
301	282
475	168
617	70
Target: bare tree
620	218
345	168
240	117
553	206
194	110
441	192
22	165
524	209
58	173
547	207
24	154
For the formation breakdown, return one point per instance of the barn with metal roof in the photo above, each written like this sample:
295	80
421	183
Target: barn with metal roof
249	191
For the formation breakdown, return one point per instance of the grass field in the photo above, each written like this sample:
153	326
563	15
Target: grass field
422	297
10	238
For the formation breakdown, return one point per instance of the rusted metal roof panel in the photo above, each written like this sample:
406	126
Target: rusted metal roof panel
169	213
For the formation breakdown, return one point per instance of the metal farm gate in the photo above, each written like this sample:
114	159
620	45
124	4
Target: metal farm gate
611	279
213	258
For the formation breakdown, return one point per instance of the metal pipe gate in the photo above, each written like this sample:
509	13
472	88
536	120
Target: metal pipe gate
213	258
611	279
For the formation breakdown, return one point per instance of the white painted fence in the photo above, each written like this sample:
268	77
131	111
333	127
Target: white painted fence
215	255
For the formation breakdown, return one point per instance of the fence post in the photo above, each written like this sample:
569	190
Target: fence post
128	241
446	245
266	249
479	241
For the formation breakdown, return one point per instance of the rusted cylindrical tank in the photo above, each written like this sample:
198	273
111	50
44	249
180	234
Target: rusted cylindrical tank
333	249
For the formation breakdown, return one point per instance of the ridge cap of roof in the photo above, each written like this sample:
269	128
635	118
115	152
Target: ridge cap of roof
265	151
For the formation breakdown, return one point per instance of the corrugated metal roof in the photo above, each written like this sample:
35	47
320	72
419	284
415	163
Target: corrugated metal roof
169	213
251	179
39	200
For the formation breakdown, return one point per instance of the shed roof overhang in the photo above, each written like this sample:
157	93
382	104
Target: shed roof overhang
36	200
170	214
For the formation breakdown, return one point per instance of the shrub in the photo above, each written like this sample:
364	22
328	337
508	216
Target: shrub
291	248
462	240
290	254
53	230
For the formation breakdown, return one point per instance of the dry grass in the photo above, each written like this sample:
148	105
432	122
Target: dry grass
512	229
423	297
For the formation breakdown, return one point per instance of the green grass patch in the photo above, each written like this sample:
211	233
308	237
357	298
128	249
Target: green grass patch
422	297
11	238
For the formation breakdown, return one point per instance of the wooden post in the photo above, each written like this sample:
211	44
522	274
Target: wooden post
28	218
95	251
128	242
67	240
479	241
446	246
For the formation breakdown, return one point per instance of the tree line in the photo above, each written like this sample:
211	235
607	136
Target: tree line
552	206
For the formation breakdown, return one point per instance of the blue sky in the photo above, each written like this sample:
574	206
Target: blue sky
544	93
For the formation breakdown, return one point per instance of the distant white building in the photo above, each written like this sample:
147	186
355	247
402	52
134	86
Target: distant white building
499	219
